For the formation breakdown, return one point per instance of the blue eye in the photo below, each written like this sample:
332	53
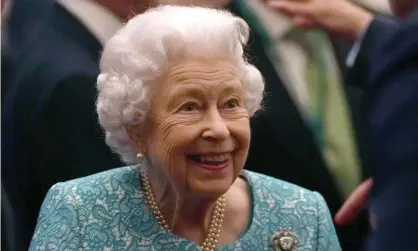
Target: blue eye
189	107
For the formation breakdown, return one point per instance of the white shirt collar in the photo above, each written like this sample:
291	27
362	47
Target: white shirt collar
276	24
102	23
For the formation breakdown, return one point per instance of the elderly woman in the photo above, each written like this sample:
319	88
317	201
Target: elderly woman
175	98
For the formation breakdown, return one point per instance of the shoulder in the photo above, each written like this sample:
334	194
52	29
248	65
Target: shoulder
52	58
94	193
405	33
87	191
394	65
106	180
285	189
400	45
55	55
87	206
367	47
50	63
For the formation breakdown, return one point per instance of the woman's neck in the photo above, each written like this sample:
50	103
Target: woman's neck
183	211
189	216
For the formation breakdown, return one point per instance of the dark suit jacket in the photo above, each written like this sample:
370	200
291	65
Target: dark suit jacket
49	123
390	111
282	145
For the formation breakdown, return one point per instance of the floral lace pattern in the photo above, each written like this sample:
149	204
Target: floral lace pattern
108	211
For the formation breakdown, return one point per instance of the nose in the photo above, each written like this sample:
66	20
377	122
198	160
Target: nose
216	128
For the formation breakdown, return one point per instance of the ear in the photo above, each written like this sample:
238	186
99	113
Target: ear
135	139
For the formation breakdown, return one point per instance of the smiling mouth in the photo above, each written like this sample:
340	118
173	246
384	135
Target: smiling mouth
212	161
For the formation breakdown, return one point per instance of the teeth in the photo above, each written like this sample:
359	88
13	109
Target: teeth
214	158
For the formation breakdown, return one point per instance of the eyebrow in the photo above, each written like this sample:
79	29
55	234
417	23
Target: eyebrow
179	91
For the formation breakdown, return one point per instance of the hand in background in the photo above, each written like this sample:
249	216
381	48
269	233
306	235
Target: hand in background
355	204
340	17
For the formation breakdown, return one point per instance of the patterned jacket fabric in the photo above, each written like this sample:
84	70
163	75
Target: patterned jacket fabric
108	211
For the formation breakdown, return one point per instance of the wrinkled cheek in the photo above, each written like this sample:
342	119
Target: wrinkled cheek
175	164
243	136
239	161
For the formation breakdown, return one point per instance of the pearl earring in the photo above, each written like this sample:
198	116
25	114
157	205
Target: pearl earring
139	157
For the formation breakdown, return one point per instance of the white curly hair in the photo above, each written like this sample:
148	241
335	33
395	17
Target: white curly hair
140	53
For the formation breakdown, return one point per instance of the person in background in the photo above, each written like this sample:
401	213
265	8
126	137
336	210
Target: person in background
11	39
388	49
177	104
310	121
50	132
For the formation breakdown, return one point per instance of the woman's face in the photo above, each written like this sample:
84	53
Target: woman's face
197	131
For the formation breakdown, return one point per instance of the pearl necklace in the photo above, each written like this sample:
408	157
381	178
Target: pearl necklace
212	237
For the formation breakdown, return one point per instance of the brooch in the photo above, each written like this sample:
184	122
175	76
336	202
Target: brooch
285	240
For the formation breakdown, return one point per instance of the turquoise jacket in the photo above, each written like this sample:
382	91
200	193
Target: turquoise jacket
108	211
